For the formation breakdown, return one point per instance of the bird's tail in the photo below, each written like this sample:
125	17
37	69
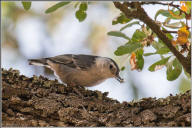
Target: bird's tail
38	62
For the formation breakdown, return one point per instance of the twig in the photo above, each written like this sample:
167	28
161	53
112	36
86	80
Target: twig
171	4
166	31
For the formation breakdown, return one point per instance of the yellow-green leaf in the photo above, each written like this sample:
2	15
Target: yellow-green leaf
166	13
148	54
123	68
118	34
83	6
162	50
138	36
122	19
26	5
129	25
184	85
188	3
175	25
56	6
127	48
139	59
80	15
173	70
161	62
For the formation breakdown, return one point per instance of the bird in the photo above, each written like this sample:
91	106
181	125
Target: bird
80	70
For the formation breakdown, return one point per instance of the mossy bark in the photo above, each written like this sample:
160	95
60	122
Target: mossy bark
37	101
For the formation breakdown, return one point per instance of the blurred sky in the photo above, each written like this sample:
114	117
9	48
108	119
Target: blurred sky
34	34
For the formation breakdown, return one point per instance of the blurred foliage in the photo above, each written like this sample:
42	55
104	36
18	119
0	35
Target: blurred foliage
123	68
144	37
174	69
159	64
122	19
184	85
128	48
118	34
8	36
129	25
56	6
97	41
174	15
26	5
80	13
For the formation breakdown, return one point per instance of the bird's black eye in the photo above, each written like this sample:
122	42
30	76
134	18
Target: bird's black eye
110	66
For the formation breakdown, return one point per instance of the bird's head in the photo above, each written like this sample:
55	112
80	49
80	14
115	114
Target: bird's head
109	68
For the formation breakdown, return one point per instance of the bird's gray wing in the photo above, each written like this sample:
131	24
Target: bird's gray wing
82	62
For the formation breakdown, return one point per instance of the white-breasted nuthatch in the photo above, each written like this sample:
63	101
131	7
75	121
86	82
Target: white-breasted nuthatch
80	70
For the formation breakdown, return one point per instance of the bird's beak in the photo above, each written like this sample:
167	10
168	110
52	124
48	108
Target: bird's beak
119	79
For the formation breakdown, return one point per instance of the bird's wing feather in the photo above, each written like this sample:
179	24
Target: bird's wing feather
82	62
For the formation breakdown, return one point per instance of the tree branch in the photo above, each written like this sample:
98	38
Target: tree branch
168	4
139	13
37	101
166	31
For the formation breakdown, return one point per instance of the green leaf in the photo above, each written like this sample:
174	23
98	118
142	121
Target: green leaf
83	6
56	6
140	60
129	25
162	50
127	48
182	16
175	25
158	45
184	85
188	4
161	11
167	14
26	5
168	34
76	4
118	34
122	19
138	36
158	63
167	20
148	54
80	15
123	68
155	45
173	70
187	74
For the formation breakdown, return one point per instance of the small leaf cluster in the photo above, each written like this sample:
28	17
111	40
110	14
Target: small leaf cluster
80	14
26	5
56	6
144	37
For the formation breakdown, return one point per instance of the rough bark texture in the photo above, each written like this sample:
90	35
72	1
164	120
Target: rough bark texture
38	101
